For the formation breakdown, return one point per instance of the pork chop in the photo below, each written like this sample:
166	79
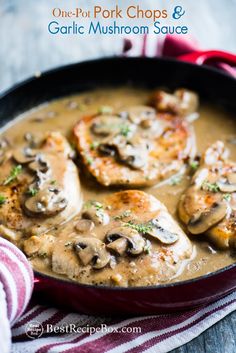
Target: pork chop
135	147
128	240
39	188
209	205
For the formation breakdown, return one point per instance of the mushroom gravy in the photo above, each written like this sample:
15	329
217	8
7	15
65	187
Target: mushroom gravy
62	115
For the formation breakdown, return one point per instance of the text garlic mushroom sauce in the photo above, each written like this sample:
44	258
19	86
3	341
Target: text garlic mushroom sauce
121	186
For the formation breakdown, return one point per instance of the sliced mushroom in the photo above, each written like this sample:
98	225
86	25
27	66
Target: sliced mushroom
133	152
202	221
92	251
140	113
40	164
105	125
40	179
106	149
39	245
94	211
135	242
226	187
47	202
119	246
135	156
84	225
229	184
163	235
24	156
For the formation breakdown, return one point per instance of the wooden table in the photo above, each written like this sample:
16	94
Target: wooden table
26	48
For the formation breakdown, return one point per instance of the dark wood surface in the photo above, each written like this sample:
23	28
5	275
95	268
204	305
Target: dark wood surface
26	48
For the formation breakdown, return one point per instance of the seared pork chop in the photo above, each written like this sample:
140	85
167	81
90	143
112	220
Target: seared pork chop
209	204
129	239
136	147
39	188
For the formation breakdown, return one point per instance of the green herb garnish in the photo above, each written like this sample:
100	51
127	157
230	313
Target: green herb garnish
94	145
95	204
227	197
125	130
89	160
13	174
212	187
141	228
194	165
3	199
53	182
125	214
105	109
175	180
32	191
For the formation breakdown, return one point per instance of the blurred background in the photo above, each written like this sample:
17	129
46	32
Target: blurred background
27	47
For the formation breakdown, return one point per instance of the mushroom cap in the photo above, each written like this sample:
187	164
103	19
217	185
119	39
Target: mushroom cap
47	202
84	225
24	156
105	125
135	242
163	235
229	184
94	211
139	113
92	251
203	220
132	152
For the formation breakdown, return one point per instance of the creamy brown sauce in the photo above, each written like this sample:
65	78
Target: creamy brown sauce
62	115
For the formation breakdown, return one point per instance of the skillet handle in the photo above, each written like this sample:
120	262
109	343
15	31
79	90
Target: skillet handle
224	60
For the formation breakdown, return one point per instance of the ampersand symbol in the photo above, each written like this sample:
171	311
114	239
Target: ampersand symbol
178	12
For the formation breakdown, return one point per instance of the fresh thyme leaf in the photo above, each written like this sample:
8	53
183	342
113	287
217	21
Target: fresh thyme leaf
125	130
227	197
125	214
53	182
194	165
175	180
32	191
141	227
105	109
98	206
212	187
89	160
94	145
13	174
3	199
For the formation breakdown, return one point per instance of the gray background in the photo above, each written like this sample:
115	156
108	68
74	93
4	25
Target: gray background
26	48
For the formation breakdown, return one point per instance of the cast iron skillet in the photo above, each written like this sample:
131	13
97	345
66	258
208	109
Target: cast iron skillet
213	86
